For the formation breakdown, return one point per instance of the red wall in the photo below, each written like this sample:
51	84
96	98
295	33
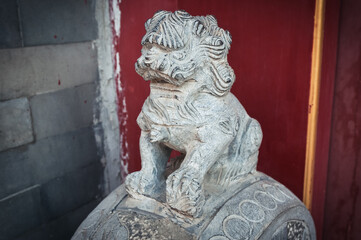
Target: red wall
271	56
343	200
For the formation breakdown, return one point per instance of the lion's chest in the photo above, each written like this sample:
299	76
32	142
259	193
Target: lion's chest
166	111
170	105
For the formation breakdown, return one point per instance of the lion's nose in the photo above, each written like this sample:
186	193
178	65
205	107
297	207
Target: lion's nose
140	63
147	61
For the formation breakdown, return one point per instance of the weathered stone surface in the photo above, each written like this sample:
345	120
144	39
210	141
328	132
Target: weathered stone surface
257	208
46	159
33	70
50	22
63	111
69	192
20	212
9	24
15	123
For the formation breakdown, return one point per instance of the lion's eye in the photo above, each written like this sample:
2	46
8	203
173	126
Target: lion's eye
162	48
147	46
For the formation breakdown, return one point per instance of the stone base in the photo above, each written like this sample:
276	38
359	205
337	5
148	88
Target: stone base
256	207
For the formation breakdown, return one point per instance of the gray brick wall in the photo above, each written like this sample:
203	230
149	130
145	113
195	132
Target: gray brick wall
44	22
51	175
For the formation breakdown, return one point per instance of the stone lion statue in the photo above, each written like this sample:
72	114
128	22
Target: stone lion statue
190	109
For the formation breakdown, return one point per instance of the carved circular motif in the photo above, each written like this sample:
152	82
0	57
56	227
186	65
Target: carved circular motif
265	200
252	211
236	227
281	189
275	193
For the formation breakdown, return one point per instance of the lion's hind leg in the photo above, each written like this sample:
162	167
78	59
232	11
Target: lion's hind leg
243	158
250	146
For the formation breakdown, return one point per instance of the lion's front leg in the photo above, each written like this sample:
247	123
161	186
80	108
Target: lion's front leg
150	179
184	186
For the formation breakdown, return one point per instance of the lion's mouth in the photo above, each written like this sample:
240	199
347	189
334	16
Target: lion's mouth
159	81
158	77
160	86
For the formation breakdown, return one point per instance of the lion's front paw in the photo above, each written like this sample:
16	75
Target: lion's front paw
184	192
140	183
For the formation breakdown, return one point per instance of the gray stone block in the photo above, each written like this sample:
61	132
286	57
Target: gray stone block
58	155
15	123
33	70
9	24
20	212
60	21
61	228
46	159
64	194
16	171
63	111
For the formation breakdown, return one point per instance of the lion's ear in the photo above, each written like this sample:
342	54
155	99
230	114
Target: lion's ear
223	78
227	38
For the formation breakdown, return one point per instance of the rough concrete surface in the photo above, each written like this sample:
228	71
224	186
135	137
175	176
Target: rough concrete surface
106	115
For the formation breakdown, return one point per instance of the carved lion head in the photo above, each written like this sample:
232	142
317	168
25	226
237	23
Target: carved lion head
178	47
